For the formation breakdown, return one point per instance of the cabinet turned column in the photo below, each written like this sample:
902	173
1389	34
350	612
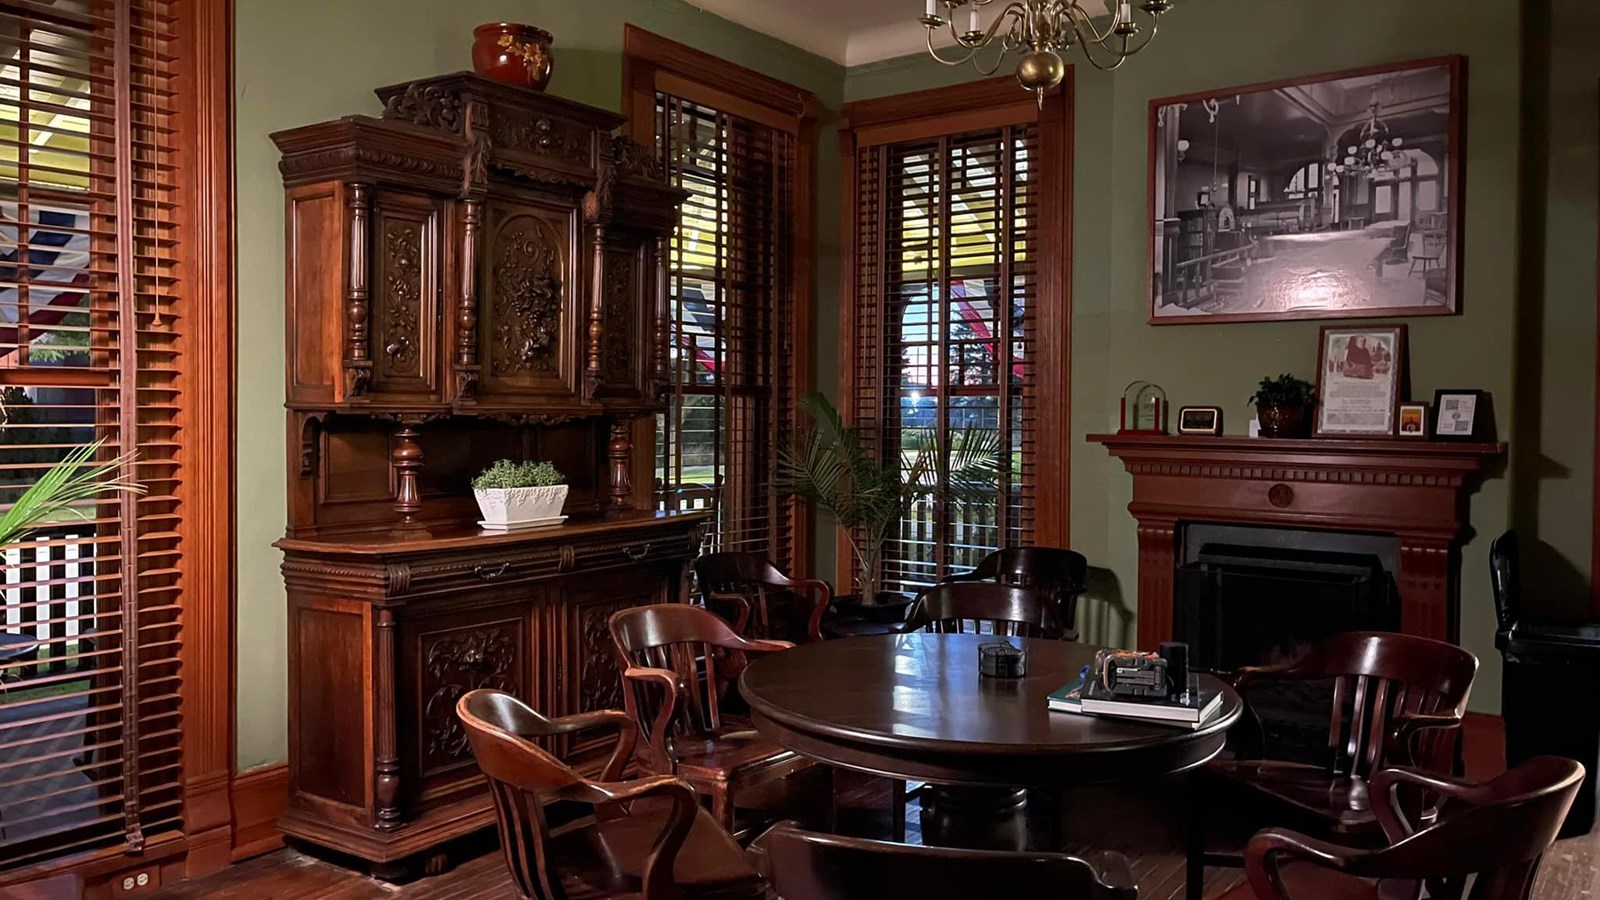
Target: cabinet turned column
386	759
620	451
466	355
358	344
406	460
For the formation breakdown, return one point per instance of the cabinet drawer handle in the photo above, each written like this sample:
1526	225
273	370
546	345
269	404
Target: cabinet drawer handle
636	553
488	574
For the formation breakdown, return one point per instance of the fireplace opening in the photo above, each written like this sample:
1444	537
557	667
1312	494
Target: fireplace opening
1246	599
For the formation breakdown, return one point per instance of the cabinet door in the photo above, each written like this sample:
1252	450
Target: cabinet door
406	286
627	327
531	304
587	676
446	654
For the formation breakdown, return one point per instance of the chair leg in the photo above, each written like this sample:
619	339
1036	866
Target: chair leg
1195	868
722	807
897	812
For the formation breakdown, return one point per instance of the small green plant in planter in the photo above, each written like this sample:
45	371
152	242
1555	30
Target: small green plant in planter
1283	405
515	495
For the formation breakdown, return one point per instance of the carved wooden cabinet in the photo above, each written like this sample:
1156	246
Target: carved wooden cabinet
476	274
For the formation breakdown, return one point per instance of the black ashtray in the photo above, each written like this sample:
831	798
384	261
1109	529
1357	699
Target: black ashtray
1002	659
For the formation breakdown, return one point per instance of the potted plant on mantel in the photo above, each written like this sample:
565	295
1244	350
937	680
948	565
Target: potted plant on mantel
1283	406
829	466
515	495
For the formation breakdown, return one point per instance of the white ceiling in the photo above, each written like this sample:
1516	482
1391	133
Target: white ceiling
849	32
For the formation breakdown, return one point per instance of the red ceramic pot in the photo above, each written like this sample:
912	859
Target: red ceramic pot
512	53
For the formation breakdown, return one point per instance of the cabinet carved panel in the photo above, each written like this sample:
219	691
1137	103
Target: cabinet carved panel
454	662
618	311
405	287
402	249
528	265
539	134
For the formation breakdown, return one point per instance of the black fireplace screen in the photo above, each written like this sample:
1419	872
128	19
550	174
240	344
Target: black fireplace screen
1242	606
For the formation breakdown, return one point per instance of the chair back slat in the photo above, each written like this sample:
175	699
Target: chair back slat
697	646
1379	677
501	731
978	607
803	865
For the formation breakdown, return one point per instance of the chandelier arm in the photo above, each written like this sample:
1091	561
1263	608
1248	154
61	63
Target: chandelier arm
1081	23
968	56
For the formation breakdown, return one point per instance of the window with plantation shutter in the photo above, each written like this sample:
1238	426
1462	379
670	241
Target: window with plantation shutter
738	280
92	349
956	322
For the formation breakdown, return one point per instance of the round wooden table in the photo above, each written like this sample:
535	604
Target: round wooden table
913	707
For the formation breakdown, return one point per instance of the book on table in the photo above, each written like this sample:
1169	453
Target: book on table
1189	710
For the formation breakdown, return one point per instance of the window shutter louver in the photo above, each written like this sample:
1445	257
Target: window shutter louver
946	256
91	348
732	326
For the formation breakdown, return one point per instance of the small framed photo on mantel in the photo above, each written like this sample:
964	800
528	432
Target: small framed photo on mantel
1459	415
1413	421
1360	374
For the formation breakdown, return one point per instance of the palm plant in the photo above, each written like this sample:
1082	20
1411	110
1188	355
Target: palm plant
71	481
829	465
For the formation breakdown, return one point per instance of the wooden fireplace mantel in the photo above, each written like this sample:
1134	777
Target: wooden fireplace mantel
1414	490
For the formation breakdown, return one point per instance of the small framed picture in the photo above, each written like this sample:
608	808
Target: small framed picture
1458	415
1413	421
1200	420
1360	374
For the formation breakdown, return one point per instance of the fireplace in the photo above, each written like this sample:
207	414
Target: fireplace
1263	596
1409	497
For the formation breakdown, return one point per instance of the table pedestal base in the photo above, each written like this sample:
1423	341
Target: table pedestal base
978	818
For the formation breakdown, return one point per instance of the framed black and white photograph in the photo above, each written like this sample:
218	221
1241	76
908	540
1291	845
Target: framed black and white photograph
1458	415
1200	420
1360	374
1329	196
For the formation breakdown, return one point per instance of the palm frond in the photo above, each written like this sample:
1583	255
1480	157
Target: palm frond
65	485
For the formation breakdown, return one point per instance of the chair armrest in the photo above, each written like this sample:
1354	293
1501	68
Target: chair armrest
819	604
1405	726
685	806
1383	789
766	646
1269	849
673	691
627	735
740	602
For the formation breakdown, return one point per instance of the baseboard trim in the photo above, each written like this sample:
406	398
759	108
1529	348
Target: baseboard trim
259	798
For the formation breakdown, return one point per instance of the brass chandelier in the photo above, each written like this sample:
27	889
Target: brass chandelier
1042	30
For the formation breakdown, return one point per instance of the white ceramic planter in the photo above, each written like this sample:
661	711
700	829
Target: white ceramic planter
527	507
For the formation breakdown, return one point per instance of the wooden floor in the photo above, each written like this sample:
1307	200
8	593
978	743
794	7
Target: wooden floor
1143	824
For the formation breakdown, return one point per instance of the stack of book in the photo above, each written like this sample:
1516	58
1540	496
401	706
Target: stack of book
1190	709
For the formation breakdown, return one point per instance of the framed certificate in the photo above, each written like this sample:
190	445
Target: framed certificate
1360	374
1458	415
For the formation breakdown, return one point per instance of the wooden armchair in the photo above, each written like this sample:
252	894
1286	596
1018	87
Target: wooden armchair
1397	700
1489	835
979	607
678	663
1059	572
648	839
745	582
802	865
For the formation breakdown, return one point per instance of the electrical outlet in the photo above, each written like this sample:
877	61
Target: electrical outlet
139	881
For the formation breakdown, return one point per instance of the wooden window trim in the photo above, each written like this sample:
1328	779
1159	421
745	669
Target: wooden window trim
204	260
650	63
952	110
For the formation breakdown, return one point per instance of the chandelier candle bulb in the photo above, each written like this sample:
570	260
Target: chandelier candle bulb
973	25
932	7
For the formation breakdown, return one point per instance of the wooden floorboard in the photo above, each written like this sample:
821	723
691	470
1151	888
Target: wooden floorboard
1145	824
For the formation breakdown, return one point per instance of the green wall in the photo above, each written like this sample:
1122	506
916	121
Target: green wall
304	61
1533	350
1527	333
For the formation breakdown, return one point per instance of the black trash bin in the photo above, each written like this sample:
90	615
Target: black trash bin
1550	693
